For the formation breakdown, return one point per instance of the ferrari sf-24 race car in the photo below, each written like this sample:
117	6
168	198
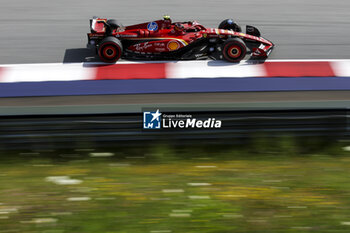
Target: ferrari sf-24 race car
165	40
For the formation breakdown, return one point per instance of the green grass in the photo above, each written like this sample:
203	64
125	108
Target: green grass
283	185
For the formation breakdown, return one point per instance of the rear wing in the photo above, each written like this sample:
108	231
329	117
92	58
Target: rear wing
97	25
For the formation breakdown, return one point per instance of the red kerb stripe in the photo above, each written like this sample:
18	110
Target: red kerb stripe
131	71
2	69
298	69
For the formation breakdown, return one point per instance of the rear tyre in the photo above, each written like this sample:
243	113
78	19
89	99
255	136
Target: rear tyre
110	49
234	50
229	24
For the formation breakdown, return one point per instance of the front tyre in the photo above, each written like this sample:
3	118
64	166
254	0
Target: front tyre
234	50
110	49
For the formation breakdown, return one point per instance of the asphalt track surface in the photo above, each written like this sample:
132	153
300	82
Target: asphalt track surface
36	31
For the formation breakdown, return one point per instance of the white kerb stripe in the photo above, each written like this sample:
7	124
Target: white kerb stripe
341	68
47	72
213	69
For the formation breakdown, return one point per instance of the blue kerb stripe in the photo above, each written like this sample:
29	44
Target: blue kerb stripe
105	87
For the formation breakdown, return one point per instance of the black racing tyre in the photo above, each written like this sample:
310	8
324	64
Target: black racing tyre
234	50
110	49
230	24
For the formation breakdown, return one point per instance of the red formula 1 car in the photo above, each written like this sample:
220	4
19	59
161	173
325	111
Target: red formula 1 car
165	40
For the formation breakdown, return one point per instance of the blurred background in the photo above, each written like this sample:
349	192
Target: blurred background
83	164
34	31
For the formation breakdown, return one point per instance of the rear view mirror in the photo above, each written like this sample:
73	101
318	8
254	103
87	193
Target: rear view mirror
252	31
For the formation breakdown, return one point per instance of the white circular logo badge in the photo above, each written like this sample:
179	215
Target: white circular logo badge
152	26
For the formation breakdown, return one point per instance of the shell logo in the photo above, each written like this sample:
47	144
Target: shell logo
173	45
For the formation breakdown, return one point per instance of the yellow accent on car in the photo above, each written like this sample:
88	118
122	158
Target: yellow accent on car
161	38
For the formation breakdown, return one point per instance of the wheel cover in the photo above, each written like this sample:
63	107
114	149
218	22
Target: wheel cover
109	51
234	51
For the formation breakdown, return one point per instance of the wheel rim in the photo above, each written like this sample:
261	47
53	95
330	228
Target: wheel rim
109	52
234	51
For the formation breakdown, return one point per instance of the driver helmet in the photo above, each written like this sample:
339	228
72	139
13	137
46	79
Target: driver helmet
232	24
179	27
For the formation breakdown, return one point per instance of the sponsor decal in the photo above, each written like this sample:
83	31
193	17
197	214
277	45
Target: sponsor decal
152	26
124	35
160	49
156	120
157	44
144	46
199	55
173	45
95	35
